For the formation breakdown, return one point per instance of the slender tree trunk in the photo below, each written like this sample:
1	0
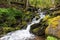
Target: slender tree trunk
26	4
8	1
53	2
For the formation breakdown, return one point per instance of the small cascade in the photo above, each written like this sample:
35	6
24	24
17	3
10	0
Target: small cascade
23	34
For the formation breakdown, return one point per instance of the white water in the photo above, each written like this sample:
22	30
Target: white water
23	34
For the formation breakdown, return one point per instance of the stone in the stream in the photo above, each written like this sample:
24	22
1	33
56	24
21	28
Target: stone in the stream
37	29
53	27
39	38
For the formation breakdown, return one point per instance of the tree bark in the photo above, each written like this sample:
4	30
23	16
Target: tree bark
26	4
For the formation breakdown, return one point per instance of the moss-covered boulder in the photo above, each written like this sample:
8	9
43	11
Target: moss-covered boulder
53	27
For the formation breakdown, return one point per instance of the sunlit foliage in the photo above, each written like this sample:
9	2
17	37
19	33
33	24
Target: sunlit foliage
51	38
41	3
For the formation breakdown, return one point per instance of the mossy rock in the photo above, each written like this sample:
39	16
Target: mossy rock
53	27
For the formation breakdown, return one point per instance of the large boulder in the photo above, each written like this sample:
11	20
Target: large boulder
53	27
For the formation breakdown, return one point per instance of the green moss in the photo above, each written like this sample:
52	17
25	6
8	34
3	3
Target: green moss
36	30
7	29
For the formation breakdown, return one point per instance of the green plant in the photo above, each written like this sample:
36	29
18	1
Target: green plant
9	15
12	19
41	3
51	38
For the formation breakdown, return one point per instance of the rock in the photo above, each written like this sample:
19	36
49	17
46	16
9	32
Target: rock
53	27
39	29
39	38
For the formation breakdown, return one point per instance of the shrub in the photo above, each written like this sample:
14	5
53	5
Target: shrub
41	3
9	15
51	38
9	19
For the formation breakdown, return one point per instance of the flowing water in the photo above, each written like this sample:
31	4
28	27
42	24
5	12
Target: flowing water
23	34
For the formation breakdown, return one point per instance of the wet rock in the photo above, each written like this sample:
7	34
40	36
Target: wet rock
39	29
54	27
39	38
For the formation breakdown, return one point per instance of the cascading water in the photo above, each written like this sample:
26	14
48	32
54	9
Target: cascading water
23	34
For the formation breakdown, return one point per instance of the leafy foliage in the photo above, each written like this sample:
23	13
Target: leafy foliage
41	3
8	15
51	38
10	18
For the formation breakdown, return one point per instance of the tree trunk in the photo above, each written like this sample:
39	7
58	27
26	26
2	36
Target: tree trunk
26	4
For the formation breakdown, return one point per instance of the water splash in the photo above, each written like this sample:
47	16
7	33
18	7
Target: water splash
23	34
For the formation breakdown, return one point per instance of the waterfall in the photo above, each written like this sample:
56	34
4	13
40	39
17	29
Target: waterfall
23	34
